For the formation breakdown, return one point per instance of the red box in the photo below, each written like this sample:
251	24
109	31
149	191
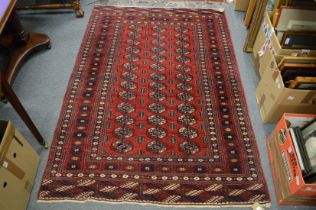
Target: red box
288	180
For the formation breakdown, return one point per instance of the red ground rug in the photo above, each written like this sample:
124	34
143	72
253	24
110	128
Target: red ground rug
155	113
205	1
157	1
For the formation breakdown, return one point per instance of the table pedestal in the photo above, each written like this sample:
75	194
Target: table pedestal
20	45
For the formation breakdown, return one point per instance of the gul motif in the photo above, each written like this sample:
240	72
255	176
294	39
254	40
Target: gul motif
122	146
125	108
157	147
124	132
127	95
157	108
189	147
124	120
157	86
157	120
157	133
157	77
187	120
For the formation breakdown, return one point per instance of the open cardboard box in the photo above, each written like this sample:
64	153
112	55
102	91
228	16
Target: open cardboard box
267	39
270	62
267	62
18	168
274	98
290	186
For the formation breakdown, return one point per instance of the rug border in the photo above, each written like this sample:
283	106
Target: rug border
244	98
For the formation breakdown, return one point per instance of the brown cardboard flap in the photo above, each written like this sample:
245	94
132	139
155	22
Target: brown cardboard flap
14	169
272	96
262	99
5	162
6	141
310	98
28	186
18	140
275	75
13	195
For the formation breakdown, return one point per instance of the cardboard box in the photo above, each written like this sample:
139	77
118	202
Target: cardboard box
290	188
267	39
270	62
241	5
274	98
267	62
280	170
18	168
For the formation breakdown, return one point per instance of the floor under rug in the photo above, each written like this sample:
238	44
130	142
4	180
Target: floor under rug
155	113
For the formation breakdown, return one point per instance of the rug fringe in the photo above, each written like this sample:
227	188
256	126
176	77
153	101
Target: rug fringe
265	205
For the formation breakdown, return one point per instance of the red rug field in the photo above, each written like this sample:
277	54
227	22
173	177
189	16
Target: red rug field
155	113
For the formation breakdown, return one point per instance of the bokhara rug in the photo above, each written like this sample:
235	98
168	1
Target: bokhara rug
206	1
155	113
166	1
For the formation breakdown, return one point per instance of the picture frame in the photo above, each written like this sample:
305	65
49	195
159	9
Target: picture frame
291	73
291	18
249	12
303	83
305	152
276	7
298	40
300	149
302	3
309	136
283	67
296	60
255	25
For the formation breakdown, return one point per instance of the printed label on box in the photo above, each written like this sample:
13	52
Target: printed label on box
5	164
287	168
290	98
282	135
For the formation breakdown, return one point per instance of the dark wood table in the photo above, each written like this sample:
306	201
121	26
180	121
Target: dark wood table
19	45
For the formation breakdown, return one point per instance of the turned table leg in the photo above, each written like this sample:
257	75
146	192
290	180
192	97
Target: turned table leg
17	105
76	6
